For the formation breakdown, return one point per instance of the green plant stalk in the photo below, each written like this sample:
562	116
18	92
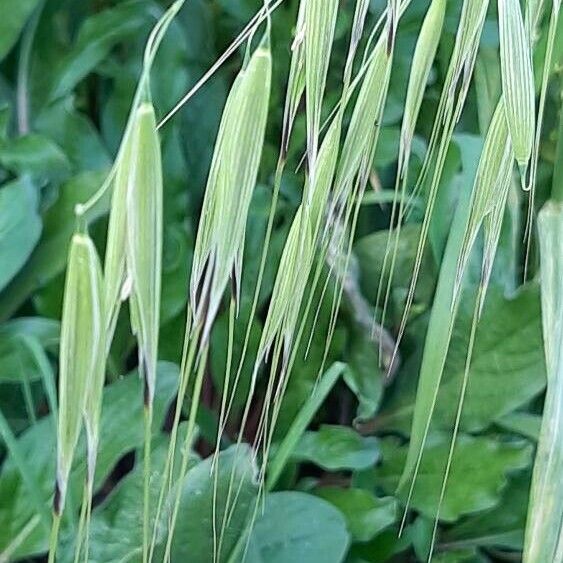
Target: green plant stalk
191	340
301	422
148	417
54	538
198	383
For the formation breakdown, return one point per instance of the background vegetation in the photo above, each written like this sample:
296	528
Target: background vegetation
67	78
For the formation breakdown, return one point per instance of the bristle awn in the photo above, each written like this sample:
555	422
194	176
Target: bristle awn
224	395
259	18
424	54
517	81
451	105
490	188
220	238
295	89
457	422
438	336
533	22
194	404
486	207
189	351
82	349
533	18
230	187
320	24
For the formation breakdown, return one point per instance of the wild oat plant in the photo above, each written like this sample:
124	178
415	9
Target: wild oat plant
365	301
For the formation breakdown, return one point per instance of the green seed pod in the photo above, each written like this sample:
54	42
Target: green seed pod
82	352
517	79
144	241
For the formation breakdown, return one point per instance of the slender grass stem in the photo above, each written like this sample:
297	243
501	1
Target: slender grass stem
54	539
459	412
148	415
81	524
198	383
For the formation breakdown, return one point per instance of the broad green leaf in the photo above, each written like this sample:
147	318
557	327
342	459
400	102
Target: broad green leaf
17	360
14	17
76	135
508	368
363	375
116	531
95	40
193	538
507	371
121	431
298	527
366	515
49	257
503	525
337	447
370	251
20	227
36	155
478	476
302	420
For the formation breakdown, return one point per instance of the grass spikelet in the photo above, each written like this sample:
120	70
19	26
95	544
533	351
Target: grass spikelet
144	241
365	117
220	240
452	100
424	54
296	80
320	23
490	190
517	80
82	354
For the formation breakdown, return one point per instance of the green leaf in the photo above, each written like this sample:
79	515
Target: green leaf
337	447
507	369
14	17
302	420
298	527
370	251
502	526
20	228
36	155
364	377
99	34
219	343
366	515
116	532
193	538
478	474
121	430
49	258
75	134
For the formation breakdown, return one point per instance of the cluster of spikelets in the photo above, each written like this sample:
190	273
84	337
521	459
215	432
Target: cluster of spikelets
339	160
